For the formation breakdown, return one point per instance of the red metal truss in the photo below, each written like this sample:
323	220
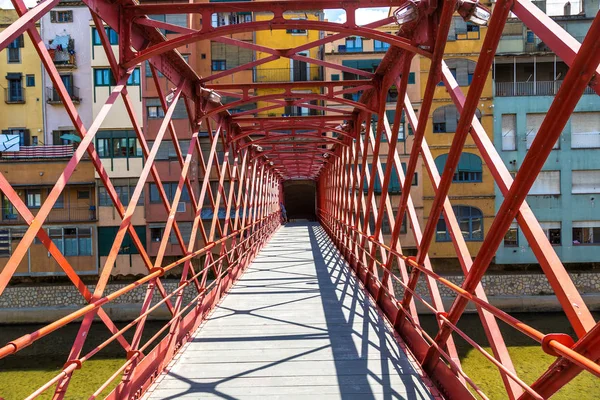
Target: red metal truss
244	158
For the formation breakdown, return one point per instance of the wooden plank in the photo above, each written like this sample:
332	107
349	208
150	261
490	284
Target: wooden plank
296	325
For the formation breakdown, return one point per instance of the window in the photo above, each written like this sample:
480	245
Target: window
170	189
72	241
585	181
103	77
335	77
30	80
14	49
354	44
461	30
462	70
546	183
124	189
155	112
173	19
113	36
297	31
411	78
61	17
134	78
117	144
219	65
394	186
509	136
471	27
156	233
15	92
24	136
60	201
154	108
149	71
511	239
224	19
166	151
585	130
534	121
34	198
83	194
586	232
552	231
107	235
445	119
380	46
470	221
415	181
469	167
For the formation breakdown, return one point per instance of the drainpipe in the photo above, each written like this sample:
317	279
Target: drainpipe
44	117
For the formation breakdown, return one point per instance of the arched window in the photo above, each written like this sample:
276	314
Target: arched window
445	118
462	70
470	221
469	167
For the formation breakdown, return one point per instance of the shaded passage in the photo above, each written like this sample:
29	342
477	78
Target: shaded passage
296	324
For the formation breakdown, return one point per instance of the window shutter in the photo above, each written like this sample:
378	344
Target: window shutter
451	118
177	19
26	138
180	112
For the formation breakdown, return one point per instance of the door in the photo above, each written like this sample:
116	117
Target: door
299	71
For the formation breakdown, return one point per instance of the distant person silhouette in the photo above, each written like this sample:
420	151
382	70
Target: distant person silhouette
284	217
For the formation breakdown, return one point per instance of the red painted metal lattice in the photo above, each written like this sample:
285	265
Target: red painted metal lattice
260	153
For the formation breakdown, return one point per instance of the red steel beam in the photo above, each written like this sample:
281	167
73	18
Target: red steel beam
574	84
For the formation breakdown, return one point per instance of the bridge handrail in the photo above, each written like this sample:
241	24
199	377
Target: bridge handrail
546	340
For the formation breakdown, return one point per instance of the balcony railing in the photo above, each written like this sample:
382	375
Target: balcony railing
14	95
27	153
538	88
303	74
52	96
66	214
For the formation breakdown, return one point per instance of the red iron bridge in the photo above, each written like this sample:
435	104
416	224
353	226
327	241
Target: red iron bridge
309	309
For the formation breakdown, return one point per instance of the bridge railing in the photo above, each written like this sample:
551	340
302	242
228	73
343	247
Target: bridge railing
249	176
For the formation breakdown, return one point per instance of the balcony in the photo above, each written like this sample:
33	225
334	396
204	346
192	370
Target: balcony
538	88
52	96
28	153
302	74
14	95
57	215
63	53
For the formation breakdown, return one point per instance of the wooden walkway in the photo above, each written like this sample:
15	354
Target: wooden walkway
296	325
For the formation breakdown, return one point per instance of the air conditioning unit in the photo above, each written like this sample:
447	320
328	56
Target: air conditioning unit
181	207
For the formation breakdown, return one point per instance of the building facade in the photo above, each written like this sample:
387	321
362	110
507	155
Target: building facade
288	70
472	192
366	54
527	76
66	33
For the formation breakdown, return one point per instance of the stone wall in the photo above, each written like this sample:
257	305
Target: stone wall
51	296
495	285
510	292
517	284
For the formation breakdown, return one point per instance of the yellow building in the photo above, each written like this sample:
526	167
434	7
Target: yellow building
284	69
21	73
366	54
472	191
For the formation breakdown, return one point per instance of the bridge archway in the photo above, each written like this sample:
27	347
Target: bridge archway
300	199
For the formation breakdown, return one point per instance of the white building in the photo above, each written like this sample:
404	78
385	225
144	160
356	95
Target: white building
66	33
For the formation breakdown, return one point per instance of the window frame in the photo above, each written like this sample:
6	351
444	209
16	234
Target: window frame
222	65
